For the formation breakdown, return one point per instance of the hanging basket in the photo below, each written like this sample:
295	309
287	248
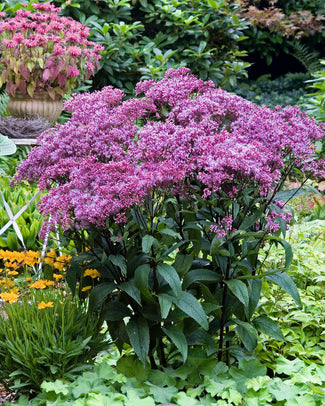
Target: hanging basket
41	105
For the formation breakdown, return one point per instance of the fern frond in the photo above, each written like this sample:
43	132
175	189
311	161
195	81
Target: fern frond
308	58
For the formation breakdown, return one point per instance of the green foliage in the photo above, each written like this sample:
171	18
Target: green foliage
167	285
29	222
202	382
45	343
277	26
144	38
284	90
7	147
303	328
314	103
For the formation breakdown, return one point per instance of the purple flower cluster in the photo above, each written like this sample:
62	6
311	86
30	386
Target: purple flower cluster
43	51
178	135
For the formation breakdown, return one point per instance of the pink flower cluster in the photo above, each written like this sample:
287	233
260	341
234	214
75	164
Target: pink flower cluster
180	135
41	50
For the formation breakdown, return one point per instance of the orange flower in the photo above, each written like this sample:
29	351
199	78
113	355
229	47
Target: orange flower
93	273
49	259
43	305
10	297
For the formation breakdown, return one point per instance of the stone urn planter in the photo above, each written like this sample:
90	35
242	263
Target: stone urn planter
40	105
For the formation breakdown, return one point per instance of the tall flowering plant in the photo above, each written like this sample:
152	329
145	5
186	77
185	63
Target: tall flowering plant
42	51
177	196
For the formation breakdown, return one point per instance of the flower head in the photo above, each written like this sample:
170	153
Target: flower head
43	305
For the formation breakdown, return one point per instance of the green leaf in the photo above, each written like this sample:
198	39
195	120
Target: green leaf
99	293
183	264
247	334
115	311
7	147
178	338
147	242
269	327
138	332
288	253
170	275
239	289
287	284
192	307
131	289
119	261
141	276
200	275
165	302
254	297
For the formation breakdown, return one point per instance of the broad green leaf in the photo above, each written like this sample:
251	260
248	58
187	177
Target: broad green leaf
247	334
165	302
269	327
132	290
99	293
183	263
115	311
119	261
288	253
255	294
170	275
251	220
178	338
192	307
287	284
200	275
7	147
147	242
141	276
138	332
239	289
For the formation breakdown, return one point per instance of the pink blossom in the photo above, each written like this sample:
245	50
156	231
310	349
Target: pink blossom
179	136
74	51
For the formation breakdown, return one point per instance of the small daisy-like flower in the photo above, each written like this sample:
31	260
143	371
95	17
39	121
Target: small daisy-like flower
84	289
43	305
93	273
10	297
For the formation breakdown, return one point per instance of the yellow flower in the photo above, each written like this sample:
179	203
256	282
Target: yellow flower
49	259
49	283
41	284
10	297
9	283
62	262
43	305
57	276
12	273
86	288
28	279
93	273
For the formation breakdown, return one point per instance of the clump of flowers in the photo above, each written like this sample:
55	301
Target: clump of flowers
111	154
174	191
42	51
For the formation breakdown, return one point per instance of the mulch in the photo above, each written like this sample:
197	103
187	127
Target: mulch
6	396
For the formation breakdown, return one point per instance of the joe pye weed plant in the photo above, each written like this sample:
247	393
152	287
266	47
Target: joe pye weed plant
174	192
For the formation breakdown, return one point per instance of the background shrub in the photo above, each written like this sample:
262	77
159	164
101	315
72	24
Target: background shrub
143	38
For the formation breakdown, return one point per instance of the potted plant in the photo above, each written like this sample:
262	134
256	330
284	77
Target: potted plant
43	57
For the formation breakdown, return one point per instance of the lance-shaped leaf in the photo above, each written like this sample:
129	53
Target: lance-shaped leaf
193	308
178	338
138	332
170	275
287	284
269	327
239	289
